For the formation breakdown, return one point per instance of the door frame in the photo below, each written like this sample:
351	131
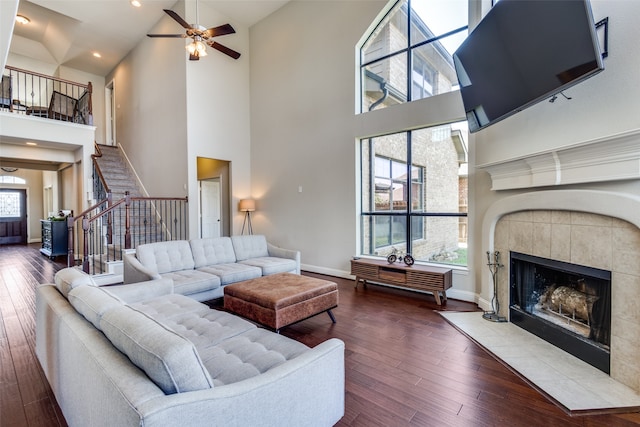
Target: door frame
24	218
215	168
201	203
110	112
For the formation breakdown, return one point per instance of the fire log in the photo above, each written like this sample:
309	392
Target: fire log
569	302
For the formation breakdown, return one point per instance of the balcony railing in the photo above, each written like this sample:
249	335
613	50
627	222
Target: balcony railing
39	95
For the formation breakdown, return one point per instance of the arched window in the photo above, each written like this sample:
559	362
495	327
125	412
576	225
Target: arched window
408	56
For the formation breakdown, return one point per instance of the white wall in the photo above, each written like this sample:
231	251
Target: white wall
170	110
8	10
218	124
303	128
151	111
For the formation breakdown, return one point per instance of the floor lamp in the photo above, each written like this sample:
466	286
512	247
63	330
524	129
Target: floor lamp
247	206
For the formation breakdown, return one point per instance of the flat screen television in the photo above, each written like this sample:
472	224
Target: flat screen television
522	52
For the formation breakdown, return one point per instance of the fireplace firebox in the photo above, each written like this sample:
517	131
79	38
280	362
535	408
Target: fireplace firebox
565	304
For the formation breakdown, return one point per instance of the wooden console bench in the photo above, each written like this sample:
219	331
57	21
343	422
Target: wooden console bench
424	278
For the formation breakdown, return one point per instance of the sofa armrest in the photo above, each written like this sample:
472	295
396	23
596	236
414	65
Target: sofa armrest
278	252
135	272
142	291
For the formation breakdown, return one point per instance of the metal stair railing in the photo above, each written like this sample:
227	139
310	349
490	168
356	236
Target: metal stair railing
98	235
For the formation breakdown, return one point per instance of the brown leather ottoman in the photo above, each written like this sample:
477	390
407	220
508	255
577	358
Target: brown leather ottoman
281	299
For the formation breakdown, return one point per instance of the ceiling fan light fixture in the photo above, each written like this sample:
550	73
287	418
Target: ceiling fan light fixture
197	48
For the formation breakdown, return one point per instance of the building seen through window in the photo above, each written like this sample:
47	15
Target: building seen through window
408	56
414	182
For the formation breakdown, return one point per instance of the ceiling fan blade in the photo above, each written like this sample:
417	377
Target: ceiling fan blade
177	18
177	36
222	30
227	51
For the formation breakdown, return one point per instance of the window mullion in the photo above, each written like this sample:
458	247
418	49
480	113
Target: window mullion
408	230
409	55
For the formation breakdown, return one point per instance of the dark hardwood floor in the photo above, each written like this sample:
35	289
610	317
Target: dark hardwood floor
405	365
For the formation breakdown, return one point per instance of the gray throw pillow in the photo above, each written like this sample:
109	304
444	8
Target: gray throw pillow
169	360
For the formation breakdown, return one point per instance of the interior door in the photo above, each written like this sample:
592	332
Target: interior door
13	216
210	212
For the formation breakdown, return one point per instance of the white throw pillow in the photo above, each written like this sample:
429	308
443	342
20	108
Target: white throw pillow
69	278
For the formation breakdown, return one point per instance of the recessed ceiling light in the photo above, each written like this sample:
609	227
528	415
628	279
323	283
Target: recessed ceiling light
97	55
135	3
21	19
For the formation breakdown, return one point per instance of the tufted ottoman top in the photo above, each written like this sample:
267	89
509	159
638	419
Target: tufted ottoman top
279	290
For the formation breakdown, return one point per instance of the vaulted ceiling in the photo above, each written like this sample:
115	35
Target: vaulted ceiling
68	32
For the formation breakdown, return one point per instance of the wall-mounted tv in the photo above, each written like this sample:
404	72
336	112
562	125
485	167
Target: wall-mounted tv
522	52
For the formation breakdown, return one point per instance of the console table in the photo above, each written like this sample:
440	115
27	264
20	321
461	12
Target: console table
54	238
420	277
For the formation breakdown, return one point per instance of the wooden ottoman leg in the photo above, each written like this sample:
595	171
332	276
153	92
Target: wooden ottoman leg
333	319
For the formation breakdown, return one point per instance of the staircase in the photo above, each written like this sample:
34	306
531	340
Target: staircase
117	174
128	220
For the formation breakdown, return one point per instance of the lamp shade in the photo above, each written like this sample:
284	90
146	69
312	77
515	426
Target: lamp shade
247	205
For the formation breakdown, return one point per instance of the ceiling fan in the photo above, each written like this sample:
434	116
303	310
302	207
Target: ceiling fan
200	36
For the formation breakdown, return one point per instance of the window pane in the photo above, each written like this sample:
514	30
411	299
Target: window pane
384	83
389	36
433	72
382	233
9	204
441	151
442	242
436	18
387	153
383	194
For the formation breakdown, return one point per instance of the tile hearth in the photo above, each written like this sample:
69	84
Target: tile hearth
573	384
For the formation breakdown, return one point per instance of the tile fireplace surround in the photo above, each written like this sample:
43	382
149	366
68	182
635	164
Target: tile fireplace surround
589	239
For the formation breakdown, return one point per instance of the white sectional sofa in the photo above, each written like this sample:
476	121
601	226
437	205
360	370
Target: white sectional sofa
200	268
139	355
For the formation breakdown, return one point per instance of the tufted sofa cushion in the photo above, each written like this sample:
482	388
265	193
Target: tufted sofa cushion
92	302
251	246
169	360
187	282
165	257
272	265
193	320
247	355
211	251
231	273
69	278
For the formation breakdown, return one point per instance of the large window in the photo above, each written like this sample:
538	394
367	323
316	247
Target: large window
414	194
408	56
414	181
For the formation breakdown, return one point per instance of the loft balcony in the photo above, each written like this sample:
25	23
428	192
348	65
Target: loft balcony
45	120
38	95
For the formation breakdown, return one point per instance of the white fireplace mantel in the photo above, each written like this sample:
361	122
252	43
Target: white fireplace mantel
611	158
